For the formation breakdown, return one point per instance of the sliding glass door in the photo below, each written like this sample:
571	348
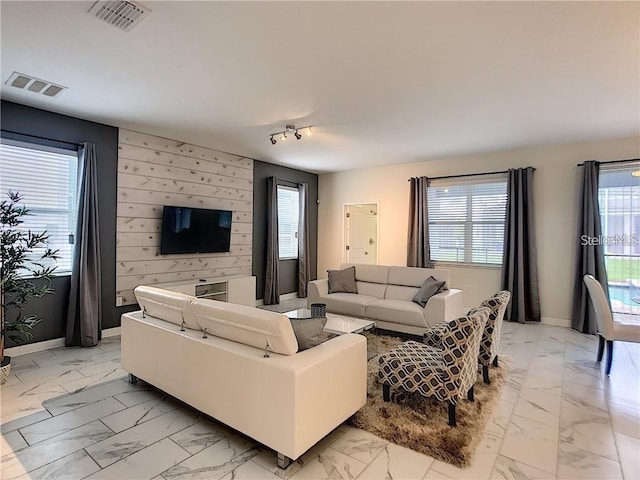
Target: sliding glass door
619	199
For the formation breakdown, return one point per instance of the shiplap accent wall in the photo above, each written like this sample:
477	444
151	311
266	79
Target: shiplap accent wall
153	172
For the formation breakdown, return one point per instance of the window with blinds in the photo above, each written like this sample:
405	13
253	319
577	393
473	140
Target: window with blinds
466	220
46	178
288	212
619	201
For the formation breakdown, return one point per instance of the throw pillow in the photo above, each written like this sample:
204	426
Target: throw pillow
429	288
342	281
308	331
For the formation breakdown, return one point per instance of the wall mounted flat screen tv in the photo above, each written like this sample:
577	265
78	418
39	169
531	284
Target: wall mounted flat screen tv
195	230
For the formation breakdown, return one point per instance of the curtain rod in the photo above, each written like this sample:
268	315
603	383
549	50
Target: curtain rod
468	175
615	161
41	138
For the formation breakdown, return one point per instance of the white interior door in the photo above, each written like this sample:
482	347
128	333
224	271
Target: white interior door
361	233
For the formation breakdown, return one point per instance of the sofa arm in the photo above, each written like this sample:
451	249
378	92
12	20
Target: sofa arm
317	289
444	306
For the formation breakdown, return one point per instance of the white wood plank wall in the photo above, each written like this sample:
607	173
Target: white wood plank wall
153	172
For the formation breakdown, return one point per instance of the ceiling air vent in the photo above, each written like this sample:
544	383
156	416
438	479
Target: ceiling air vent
119	13
35	85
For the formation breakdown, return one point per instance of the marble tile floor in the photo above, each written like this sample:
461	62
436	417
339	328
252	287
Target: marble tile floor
70	413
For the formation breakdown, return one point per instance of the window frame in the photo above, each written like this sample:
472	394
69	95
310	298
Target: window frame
620	240
71	212
468	182
290	188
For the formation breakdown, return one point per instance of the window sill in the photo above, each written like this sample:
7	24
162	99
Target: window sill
289	258
483	266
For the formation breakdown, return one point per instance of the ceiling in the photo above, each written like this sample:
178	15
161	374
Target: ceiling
382	82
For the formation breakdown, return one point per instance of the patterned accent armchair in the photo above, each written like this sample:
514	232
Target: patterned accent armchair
447	372
490	343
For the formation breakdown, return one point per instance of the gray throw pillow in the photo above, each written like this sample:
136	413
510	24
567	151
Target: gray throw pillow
308	331
342	281
429	288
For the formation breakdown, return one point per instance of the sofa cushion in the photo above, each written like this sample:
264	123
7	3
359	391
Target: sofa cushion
429	288
371	289
347	303
342	281
414	276
396	311
370	273
166	305
247	325
308	331
398	292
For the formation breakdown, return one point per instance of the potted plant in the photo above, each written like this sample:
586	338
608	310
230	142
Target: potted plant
27	266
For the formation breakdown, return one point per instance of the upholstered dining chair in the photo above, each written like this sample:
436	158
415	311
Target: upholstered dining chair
446	373
608	328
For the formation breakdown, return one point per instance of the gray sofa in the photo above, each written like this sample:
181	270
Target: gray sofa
385	295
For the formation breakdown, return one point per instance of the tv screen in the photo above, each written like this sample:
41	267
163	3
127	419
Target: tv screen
195	230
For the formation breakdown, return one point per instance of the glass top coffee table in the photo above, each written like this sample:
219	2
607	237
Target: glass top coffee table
338	324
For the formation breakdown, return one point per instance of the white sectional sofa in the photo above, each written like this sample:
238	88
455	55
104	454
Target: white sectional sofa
385	295
288	400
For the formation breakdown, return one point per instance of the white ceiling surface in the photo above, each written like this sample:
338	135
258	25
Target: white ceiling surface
383	83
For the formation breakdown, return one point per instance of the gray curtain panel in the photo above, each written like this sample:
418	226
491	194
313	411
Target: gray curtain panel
84	318
520	263
589	258
418	250
303	240
271	279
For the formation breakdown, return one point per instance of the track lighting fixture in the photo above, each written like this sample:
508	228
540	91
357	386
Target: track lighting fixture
291	130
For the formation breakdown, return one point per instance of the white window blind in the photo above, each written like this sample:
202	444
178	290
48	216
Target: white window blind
288	211
619	201
466	219
46	178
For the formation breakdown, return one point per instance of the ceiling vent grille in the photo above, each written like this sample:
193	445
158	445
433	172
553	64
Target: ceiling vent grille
35	85
119	13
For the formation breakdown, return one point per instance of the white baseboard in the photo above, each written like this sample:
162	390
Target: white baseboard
111	332
558	322
286	296
34	347
54	343
289	296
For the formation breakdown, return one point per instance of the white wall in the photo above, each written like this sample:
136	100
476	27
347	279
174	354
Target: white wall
556	182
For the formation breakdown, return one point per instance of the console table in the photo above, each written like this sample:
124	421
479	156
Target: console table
240	289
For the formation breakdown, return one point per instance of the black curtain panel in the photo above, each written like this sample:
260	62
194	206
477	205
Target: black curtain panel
589	254
519	266
418	250
84	317
303	240
271	280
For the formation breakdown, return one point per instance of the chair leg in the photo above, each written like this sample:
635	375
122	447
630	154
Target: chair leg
495	361
452	414
600	347
386	392
485	374
609	356
470	394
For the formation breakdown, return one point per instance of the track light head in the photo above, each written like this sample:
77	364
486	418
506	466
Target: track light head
309	131
273	140
283	138
297	135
